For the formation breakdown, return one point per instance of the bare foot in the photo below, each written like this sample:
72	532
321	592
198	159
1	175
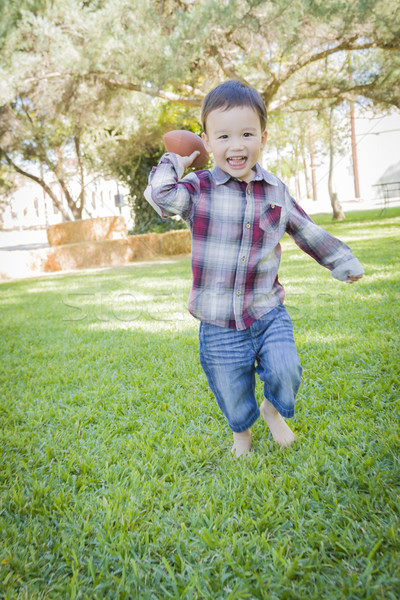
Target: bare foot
241	443
279	429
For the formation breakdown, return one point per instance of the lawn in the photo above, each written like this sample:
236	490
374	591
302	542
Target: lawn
117	479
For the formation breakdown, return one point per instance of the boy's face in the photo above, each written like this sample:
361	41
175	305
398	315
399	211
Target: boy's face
235	139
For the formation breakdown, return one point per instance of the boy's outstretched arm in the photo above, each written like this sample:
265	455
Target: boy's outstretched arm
327	250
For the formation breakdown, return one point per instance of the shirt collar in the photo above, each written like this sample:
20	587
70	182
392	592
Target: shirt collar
221	176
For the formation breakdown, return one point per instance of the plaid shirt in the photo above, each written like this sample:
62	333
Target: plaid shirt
236	229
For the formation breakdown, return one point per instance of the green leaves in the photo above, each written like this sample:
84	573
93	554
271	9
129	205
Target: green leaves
107	73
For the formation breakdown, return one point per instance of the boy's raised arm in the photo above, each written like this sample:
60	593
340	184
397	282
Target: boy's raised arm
167	193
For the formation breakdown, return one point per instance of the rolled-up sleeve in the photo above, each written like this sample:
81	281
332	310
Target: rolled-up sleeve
167	193
327	250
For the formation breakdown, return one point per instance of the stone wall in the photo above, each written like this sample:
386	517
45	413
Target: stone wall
87	230
104	253
92	254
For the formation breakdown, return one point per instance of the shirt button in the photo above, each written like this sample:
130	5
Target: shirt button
248	191
248	225
243	258
272	205
238	292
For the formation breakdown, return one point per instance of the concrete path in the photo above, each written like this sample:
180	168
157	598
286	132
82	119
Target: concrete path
28	239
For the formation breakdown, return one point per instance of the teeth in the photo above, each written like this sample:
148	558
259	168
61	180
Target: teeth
237	159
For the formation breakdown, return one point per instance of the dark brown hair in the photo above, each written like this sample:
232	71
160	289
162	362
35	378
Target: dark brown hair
233	93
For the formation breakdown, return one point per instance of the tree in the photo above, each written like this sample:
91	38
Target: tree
31	143
182	47
159	51
136	175
54	133
338	214
130	155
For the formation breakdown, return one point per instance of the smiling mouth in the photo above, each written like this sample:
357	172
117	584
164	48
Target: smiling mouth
237	161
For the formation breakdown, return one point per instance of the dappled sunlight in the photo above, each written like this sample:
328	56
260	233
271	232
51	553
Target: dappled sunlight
140	306
162	284
146	283
371	296
122	305
54	286
352	236
384	271
332	337
174	322
117	477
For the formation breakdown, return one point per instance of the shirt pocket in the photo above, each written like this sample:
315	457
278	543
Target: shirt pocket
270	218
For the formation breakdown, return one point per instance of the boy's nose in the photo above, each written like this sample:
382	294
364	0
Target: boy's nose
236	144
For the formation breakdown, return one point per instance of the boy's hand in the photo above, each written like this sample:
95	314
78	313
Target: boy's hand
353	278
188	160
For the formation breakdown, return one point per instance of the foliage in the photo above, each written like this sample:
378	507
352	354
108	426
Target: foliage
291	51
136	175
73	66
132	153
116	473
8	183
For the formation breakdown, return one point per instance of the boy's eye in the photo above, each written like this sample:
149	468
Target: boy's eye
248	134
223	137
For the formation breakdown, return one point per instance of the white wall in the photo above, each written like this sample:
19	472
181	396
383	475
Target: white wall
30	207
378	147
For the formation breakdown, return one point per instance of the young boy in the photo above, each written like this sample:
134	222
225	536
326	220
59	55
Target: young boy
237	214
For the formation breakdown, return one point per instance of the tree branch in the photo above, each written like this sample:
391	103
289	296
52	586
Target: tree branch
150	91
226	66
39	181
112	82
326	93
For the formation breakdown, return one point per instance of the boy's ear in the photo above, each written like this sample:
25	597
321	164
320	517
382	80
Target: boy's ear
264	139
204	137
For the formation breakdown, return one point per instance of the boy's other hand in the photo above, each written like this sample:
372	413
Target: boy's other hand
353	278
188	160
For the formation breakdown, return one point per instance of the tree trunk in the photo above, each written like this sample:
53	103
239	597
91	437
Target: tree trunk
353	137
296	173
338	214
43	184
59	173
337	209
306	177
354	153
312	159
82	194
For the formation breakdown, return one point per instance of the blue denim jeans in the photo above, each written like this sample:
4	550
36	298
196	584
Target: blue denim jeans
231	358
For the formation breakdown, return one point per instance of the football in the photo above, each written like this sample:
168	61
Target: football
183	142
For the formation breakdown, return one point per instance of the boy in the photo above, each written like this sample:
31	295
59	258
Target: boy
237	214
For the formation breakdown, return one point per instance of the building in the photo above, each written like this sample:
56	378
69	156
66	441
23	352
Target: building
31	208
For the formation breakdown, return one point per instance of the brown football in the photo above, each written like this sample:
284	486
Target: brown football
183	142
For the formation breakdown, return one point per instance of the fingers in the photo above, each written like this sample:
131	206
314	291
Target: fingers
188	160
353	278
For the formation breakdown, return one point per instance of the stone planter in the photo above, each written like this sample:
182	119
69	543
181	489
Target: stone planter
87	230
94	254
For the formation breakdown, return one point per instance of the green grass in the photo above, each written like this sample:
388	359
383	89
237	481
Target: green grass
117	479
